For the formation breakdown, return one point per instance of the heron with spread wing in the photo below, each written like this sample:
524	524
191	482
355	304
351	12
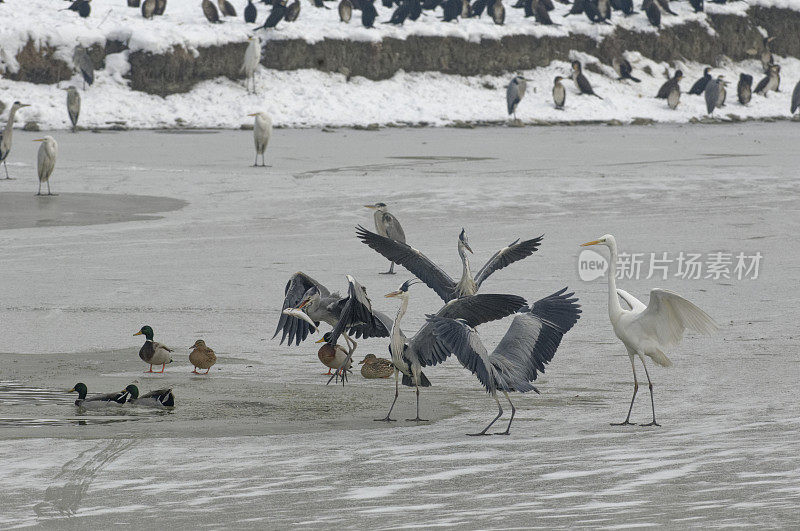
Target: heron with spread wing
307	303
434	276
410	355
649	330
529	344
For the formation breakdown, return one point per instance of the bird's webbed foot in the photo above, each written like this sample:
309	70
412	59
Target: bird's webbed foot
626	422
653	423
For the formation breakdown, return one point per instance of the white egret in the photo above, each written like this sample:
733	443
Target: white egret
7	133
73	106
252	56
262	132
649	330
47	161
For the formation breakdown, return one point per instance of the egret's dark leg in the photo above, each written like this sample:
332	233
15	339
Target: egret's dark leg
40	189
513	410
627	421
652	402
48	188
417	419
499	414
255	162
396	393
6	167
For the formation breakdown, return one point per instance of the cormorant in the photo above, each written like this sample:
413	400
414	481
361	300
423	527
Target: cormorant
744	90
292	11
580	80
400	14
772	81
674	81
210	11
250	12
653	12
450	10
368	13
623	69
559	93
700	85
276	15
345	10
226	9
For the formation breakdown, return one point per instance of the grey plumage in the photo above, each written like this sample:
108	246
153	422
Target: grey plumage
498	12
73	106
292	11
515	91
795	98
148	8
766	54
712	94
521	355
210	11
7	134
226	9
84	64
674	97
388	226
160	7
435	277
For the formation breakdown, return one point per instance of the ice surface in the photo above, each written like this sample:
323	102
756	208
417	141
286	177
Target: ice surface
289	451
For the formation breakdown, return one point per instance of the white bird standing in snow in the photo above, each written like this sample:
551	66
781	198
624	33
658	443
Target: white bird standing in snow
47	161
262	131
5	136
252	56
652	329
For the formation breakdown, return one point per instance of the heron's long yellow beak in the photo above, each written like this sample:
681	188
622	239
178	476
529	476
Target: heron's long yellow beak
252	114
320	340
39	140
373	207
593	242
393	294
138	333
303	304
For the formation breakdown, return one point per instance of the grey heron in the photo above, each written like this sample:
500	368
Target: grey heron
529	344
515	91
435	277
8	133
307	303
226	8
84	64
387	226
674	81
583	85
252	56
649	330
410	355
700	85
712	94
262	132
73	106
210	11
772	81
795	98
46	161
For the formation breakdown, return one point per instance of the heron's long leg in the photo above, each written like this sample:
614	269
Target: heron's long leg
652	402
417	419
396	393
351	343
499	414
391	269
513	410
6	167
40	189
48	188
635	388
255	162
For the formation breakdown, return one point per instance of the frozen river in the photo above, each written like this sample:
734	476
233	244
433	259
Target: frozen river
178	231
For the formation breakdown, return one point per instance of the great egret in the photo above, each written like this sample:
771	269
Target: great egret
252	56
8	133
46	161
649	330
387	226
529	344
515	91
262	132
73	106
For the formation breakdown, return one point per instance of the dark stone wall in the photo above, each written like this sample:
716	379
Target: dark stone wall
177	71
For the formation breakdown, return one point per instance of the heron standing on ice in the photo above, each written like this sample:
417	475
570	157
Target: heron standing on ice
387	226
652	329
46	161
73	106
5	136
262	132
252	56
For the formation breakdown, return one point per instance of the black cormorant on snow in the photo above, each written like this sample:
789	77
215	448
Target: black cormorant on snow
276	15
368	13
795	98
744	90
700	85
450	10
580	80
653	12
697	5
400	14
772	81
250	12
148	8
623	69
674	81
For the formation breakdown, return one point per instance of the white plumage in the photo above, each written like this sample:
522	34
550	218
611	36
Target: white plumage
46	161
262	132
252	56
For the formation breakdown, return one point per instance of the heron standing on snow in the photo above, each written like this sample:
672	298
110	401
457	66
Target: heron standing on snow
5	136
73	106
514	94
252	56
46	161
387	226
262	132
649	330
82	61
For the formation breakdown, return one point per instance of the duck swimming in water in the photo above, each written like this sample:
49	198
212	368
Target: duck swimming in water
159	398
110	399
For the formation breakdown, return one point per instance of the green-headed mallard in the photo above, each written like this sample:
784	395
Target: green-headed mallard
153	352
159	398
202	357
374	367
332	356
110	399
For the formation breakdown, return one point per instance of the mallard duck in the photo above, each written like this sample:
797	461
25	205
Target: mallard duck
202	357
332	356
159	398
153	352
374	367
110	399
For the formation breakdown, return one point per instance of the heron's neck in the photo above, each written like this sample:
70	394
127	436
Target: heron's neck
465	272
400	313
10	122
614	307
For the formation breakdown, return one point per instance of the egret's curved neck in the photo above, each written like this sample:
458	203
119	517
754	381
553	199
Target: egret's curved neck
614	307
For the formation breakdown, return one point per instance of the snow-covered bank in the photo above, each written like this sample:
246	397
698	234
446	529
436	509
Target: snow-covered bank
309	98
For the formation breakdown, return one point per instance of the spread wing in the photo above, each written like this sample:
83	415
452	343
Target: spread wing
393	228
506	256
357	315
668	315
473	310
416	262
296	329
632	302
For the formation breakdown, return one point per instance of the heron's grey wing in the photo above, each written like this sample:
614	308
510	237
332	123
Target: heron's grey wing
416	262
795	98
296	329
84	64
474	310
393	228
632	302
512	96
532	340
357	315
514	252
381	328
463	341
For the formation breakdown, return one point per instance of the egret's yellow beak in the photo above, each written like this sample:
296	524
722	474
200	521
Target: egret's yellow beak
593	242
252	114
393	294
320	340
138	333
39	140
